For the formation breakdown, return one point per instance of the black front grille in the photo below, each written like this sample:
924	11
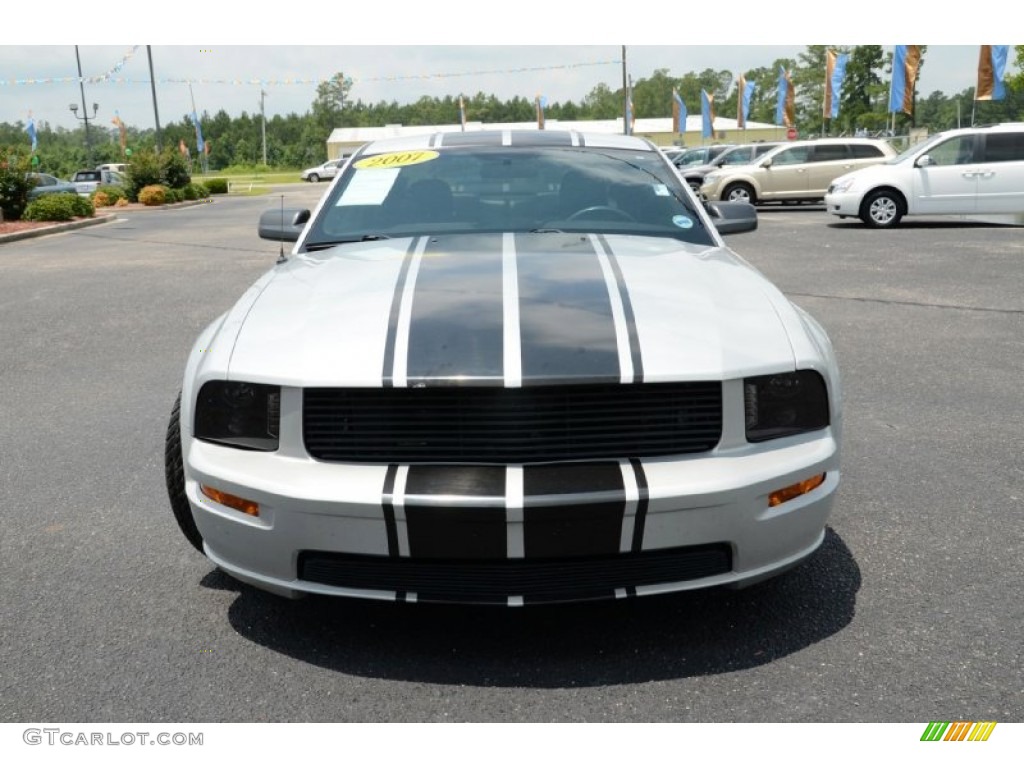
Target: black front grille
512	426
494	581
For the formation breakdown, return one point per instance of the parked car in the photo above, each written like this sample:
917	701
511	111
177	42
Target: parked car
507	367
323	172
699	155
795	171
121	168
88	181
969	171
741	154
45	184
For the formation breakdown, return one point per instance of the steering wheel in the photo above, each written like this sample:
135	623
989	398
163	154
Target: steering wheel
582	212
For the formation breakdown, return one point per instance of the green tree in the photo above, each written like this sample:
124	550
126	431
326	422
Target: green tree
329	104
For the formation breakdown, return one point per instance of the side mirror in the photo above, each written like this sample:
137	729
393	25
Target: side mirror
732	218
924	161
283	224
766	163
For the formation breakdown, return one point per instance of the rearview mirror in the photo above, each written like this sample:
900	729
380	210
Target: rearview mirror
284	224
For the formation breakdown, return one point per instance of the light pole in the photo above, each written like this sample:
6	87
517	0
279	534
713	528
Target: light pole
85	110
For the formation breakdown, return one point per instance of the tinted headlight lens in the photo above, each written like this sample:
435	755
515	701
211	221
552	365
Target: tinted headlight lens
784	404
239	414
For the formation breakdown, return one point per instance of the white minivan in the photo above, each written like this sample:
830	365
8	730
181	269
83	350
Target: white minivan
967	172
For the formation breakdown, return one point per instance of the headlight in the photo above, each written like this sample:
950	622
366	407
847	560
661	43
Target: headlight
239	414
784	404
841	185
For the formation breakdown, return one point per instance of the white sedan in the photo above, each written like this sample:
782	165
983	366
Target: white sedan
507	368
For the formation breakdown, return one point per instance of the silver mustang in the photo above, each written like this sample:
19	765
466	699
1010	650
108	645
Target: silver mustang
507	367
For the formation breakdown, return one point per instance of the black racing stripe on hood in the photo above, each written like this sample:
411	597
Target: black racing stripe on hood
457	323
627	310
567	330
572	530
387	376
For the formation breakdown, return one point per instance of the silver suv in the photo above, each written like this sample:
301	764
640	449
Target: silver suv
797	170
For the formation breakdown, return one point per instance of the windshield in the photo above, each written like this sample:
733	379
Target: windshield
507	189
916	148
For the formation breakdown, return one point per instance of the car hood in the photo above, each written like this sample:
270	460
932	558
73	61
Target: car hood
508	310
701	169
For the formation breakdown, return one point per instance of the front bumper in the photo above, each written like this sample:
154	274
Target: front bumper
711	189
843	203
618	529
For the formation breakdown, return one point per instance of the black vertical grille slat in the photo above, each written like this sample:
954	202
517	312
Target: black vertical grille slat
444	424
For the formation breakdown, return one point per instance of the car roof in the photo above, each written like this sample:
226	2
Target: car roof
511	138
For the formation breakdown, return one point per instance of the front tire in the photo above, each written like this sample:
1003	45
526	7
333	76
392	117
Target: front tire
174	473
882	209
739	193
313	178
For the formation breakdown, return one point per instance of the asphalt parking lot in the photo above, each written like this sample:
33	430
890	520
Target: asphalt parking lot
910	612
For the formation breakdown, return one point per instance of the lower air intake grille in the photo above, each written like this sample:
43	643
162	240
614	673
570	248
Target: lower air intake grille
494	581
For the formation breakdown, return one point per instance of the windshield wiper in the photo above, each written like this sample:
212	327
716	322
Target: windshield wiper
331	243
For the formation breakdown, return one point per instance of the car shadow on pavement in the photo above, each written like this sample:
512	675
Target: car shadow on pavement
667	637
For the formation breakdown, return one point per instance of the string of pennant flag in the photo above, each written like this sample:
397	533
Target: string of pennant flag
109	76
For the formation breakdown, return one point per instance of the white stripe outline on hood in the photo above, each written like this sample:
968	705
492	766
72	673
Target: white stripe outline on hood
618	313
401	363
512	349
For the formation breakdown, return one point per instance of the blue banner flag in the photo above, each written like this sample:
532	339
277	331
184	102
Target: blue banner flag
835	71
991	71
785	111
199	133
744	91
31	129
678	112
707	112
905	61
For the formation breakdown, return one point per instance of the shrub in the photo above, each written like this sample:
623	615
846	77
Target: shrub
100	199
174	171
14	186
61	207
145	171
122	203
153	194
113	193
216	186
201	191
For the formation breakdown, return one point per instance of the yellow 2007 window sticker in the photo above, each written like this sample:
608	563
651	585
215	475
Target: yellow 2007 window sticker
397	159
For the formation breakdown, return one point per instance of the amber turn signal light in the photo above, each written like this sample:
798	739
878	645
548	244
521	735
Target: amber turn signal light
228	500
790	492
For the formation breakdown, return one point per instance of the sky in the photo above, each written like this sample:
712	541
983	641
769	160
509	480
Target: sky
558	54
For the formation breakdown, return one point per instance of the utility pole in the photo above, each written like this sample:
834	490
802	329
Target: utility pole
625	91
152	85
85	109
263	116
